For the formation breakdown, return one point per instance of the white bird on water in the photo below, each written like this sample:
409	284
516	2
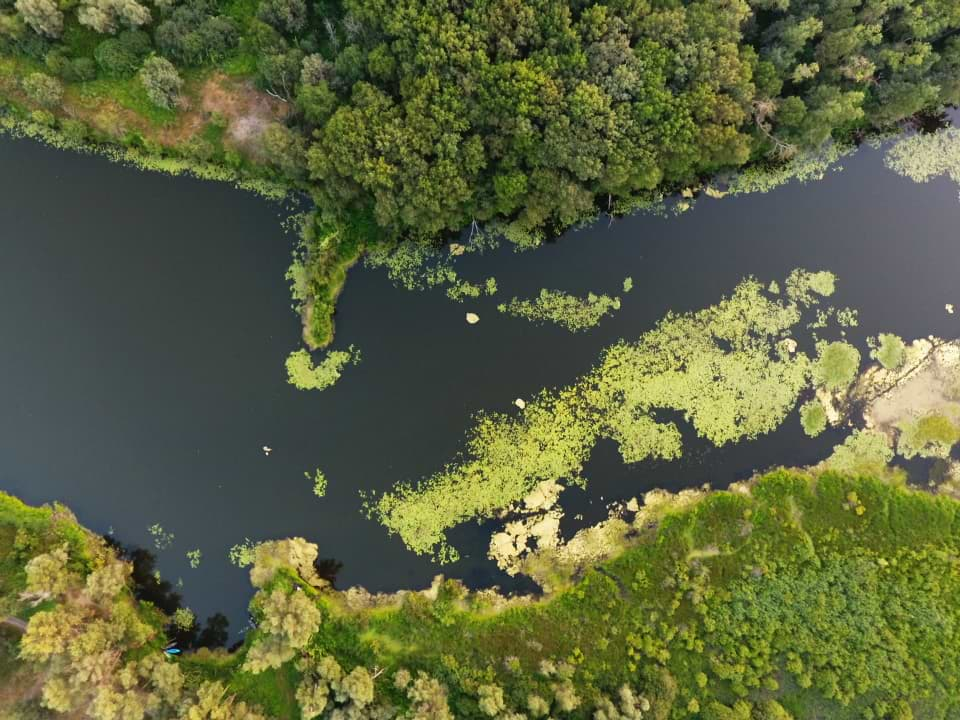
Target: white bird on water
267	450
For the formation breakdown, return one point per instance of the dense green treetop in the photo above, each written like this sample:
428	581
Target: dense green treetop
429	114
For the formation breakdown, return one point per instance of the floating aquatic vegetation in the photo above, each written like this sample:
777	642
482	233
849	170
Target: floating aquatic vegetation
572	312
304	375
161	538
140	159
804	286
627	284
802	168
847	317
242	554
923	157
731	370
462	289
193	557
319	482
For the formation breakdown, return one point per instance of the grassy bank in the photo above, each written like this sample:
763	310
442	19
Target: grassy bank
796	595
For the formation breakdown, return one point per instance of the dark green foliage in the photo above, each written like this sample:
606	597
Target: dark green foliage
280	71
539	108
287	16
437	114
327	255
195	33
317	102
122	56
78	69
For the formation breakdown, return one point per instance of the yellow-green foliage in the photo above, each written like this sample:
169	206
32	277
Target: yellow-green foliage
725	368
836	366
863	452
930	436
803	168
813	417
573	313
799	596
924	156
319	483
889	351
304	375
803	286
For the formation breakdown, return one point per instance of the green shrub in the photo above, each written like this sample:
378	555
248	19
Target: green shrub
44	90
122	56
161	81
836	366
930	436
889	351
813	418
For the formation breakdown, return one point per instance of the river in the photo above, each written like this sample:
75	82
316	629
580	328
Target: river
145	322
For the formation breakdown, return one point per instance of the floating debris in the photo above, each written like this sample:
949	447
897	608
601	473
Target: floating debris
520	403
949	308
473	318
267	450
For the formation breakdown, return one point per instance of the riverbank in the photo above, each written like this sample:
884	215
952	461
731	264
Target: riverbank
688	621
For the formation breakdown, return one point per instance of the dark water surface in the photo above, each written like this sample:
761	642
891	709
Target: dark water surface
145	322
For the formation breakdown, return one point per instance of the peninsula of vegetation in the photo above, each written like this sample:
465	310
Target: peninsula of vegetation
411	121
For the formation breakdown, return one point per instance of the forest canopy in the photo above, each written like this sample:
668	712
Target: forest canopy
413	120
427	115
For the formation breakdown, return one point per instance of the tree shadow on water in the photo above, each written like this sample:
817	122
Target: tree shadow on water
148	586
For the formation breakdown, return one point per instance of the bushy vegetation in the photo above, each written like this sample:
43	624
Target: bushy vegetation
423	118
91	648
889	350
161	81
795	596
932	435
813	418
836	366
863	452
